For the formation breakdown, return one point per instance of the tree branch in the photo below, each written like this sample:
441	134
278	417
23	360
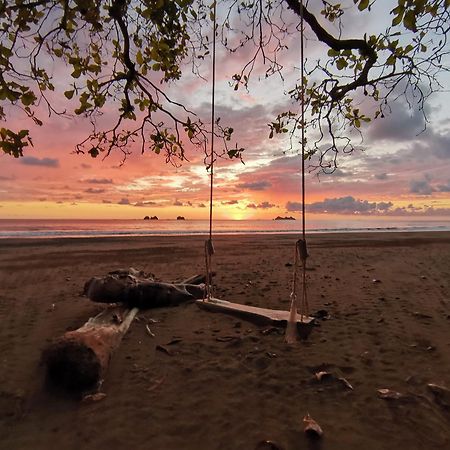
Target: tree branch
338	92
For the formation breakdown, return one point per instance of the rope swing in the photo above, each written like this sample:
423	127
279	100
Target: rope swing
209	246
296	324
301	252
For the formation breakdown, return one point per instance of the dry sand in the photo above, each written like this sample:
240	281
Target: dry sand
227	385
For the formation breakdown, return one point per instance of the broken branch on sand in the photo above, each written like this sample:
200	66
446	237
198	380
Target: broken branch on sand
137	289
79	359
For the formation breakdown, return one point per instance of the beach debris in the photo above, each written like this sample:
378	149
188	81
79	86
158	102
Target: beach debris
421	315
321	314
329	376
271	355
157	383
376	280
441	394
164	349
150	332
345	382
388	394
312	428
92	398
79	359
226	338
268	445
272	330
138	289
322	375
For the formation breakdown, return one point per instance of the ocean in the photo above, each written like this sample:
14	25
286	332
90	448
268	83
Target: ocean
68	228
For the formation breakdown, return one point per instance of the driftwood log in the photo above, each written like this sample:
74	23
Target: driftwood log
79	359
140	290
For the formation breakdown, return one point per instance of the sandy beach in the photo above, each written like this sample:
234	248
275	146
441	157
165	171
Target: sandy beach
225	384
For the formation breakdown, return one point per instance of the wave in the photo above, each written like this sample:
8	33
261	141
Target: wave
97	229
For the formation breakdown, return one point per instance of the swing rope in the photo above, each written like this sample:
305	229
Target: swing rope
209	246
301	252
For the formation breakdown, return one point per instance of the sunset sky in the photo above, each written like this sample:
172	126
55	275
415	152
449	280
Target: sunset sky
399	170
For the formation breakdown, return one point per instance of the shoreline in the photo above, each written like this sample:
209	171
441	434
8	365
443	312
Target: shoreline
369	233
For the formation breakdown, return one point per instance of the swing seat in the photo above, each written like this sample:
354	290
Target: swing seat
261	316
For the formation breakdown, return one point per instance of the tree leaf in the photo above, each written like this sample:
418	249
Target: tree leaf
363	4
409	21
69	94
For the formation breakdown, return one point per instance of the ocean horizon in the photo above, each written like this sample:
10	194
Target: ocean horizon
73	228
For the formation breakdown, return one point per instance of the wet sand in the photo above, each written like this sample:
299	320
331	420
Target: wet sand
226	385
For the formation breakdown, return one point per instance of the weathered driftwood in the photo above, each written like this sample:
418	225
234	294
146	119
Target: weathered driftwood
79	359
136	289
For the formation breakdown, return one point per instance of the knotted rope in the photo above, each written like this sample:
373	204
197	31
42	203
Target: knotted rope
209	246
301	252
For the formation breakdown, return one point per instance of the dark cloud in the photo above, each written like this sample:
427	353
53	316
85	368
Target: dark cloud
381	176
399	125
351	205
419	212
421	187
293	206
94	191
6	178
123	201
230	202
342	205
439	145
99	181
263	205
266	205
201	205
107	201
431	211
255	185
384	206
146	203
44	162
